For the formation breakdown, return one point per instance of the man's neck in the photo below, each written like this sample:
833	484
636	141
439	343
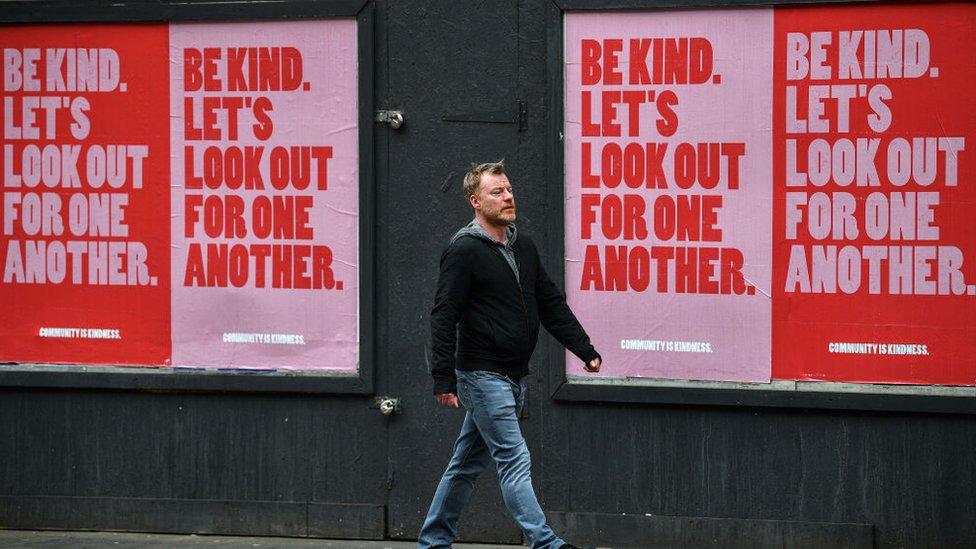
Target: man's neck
499	233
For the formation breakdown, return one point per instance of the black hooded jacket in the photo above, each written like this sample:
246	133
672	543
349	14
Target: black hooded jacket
486	318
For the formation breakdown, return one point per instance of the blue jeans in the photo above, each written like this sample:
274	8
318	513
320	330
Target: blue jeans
490	433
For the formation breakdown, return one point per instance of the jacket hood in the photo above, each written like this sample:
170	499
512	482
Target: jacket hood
474	229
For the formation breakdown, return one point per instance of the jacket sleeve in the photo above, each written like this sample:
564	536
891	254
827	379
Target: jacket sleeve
453	287
559	320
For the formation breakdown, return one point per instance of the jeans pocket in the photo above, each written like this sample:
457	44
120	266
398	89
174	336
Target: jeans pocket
463	394
469	388
493	392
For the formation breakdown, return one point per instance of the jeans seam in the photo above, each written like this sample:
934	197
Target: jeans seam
453	479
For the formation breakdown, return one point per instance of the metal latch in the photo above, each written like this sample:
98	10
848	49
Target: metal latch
388	405
393	118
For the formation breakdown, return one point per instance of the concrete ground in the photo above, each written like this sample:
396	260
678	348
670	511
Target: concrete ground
28	539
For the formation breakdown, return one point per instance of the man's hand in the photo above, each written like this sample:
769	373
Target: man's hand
592	366
447	399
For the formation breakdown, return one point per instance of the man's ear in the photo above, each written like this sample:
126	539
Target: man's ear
473	200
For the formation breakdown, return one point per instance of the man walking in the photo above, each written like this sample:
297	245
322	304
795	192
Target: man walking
491	295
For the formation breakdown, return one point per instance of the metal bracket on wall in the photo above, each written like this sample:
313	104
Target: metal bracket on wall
517	116
387	405
393	118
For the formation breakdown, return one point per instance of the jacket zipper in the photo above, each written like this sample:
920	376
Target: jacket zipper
525	312
518	284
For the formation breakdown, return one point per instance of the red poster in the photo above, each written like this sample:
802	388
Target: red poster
84	242
873	173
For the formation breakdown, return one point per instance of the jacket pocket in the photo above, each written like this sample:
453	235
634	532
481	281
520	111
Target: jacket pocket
507	344
492	335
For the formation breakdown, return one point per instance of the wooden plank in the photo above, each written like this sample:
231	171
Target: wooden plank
226	517
51	11
153	515
346	521
647	532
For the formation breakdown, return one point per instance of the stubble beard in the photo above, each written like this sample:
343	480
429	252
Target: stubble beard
508	215
504	216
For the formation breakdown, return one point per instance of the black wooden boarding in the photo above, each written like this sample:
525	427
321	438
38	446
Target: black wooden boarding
454	71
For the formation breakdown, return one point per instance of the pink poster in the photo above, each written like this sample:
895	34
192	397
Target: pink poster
265	202
668	191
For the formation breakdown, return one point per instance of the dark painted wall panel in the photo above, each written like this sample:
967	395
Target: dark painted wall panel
225	447
901	473
445	61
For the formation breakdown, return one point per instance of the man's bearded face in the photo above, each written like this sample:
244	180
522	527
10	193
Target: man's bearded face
495	200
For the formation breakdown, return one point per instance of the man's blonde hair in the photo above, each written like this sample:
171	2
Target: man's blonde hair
472	179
